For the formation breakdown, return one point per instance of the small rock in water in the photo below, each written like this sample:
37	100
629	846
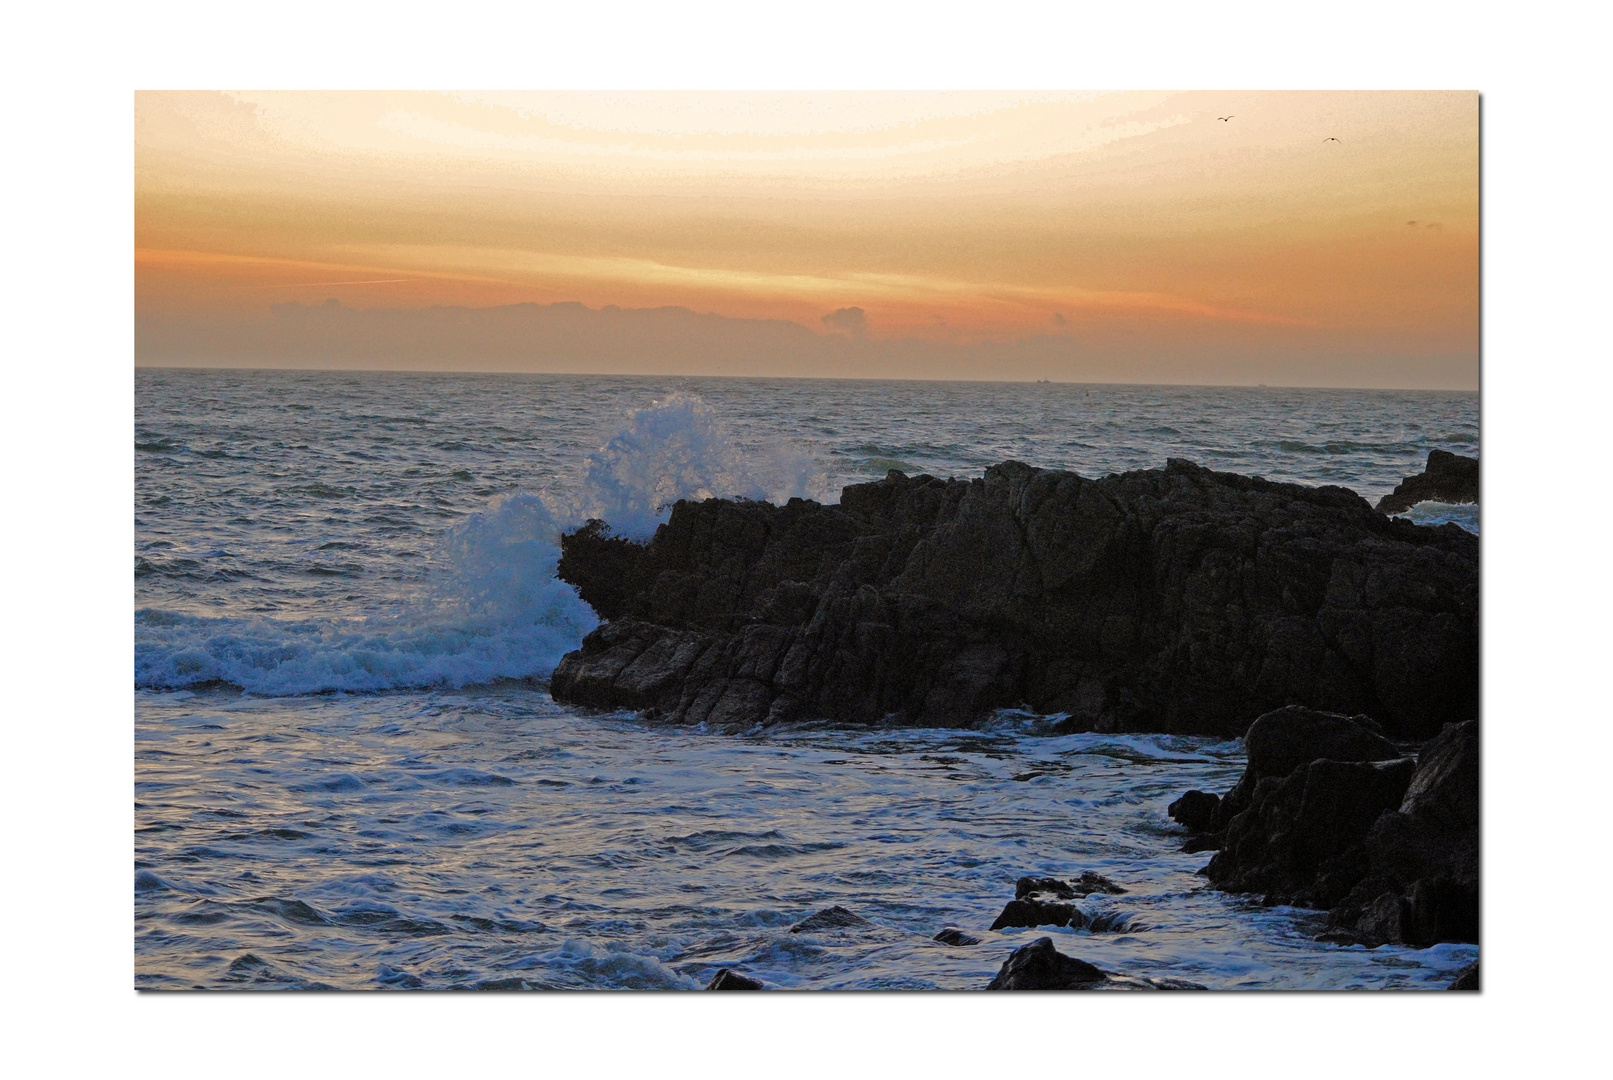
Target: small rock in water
1039	966
953	936
1025	886
1195	809
830	918
1467	978
1039	913
1089	883
729	979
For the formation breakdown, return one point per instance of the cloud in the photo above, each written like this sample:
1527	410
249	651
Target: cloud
847	320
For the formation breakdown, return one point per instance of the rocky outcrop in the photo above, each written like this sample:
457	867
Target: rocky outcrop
1040	966
1449	478
1416	878
1388	845
1282	740
1178	600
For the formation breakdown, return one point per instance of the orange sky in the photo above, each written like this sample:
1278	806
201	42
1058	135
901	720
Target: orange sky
1124	235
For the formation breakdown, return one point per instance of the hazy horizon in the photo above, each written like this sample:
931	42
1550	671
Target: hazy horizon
1309	239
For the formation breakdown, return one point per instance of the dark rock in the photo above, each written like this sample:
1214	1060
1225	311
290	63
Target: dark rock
1383	921
1467	978
953	936
1284	739
1448	478
1427	852
1295	824
1039	966
1048	888
729	979
1195	810
1176	599
1039	913
830	918
1026	886
1204	842
1089	883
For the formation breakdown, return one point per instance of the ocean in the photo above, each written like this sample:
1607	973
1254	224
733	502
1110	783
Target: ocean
349	774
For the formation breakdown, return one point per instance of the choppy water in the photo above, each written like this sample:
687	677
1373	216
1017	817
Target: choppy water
301	535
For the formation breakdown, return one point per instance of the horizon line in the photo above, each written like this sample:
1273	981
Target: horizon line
140	366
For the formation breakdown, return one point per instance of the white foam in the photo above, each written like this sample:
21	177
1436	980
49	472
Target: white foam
677	448
493	608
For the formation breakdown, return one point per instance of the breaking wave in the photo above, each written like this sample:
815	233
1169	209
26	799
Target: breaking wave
493	608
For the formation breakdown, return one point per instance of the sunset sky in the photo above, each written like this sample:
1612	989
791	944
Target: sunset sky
1094	236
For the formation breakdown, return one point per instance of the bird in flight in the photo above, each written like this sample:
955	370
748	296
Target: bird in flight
1229	116
1332	139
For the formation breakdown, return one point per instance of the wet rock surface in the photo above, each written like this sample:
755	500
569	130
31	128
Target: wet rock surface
1178	600
1387	844
830	918
955	937
1448	478
729	979
1040	966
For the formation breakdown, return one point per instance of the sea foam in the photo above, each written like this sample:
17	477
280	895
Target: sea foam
492	608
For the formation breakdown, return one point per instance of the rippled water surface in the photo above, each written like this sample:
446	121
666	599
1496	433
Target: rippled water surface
348	773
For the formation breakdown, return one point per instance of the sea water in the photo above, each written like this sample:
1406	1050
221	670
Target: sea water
349	773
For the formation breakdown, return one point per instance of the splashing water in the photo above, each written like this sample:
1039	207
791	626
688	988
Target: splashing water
678	449
493	609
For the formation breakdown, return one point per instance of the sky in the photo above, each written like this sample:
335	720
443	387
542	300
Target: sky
1310	238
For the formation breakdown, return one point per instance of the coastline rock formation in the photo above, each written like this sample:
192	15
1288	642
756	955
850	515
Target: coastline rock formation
1174	600
1448	478
1388	845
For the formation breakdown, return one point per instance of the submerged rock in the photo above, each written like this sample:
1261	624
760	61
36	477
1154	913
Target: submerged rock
1177	599
830	918
1040	966
1046	887
729	979
1448	478
953	936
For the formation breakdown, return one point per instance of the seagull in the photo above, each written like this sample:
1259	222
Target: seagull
1228	117
1332	139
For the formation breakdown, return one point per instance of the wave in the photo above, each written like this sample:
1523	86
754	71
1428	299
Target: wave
492	608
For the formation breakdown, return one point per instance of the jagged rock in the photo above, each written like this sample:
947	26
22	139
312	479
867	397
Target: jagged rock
729	979
953	936
1040	966
1089	883
830	918
1195	810
1295	824
1280	741
1467	978
1177	599
1427	851
1448	478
